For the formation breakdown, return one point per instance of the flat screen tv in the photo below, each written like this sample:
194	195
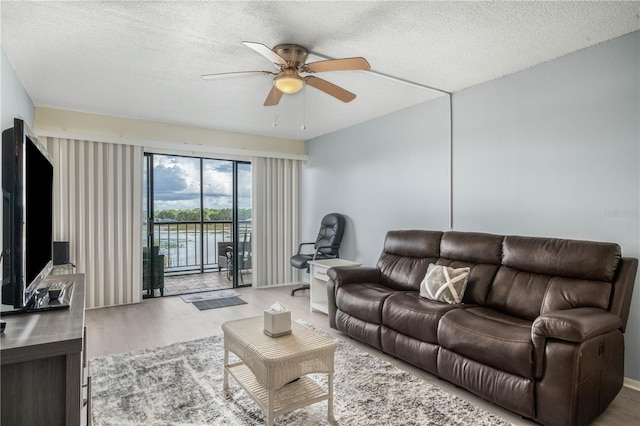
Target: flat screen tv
27	188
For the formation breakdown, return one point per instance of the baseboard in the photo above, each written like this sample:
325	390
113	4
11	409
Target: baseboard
631	384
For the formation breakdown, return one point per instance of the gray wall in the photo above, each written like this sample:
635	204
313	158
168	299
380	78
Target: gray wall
554	151
390	173
550	151
15	101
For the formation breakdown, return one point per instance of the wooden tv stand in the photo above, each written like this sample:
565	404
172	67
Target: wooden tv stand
41	357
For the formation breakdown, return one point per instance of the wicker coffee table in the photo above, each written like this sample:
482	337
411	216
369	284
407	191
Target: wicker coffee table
268	366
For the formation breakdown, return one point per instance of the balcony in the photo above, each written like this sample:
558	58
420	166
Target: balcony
187	249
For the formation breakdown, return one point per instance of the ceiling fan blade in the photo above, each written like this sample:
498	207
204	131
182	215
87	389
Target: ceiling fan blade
266	52
273	97
235	74
330	89
344	64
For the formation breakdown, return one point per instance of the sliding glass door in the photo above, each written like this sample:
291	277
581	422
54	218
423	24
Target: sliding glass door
198	219
242	222
152	259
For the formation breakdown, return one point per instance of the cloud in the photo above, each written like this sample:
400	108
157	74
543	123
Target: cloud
168	179
177	183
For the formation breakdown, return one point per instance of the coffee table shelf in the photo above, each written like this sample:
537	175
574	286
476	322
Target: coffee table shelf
305	391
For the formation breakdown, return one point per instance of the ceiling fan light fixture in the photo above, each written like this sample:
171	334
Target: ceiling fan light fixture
289	82
291	60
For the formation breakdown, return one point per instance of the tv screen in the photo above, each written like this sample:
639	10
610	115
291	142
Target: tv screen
38	211
27	184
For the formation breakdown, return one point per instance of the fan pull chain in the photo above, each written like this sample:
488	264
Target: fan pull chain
275	116
304	110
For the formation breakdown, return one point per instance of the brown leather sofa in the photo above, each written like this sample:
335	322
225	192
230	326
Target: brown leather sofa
539	330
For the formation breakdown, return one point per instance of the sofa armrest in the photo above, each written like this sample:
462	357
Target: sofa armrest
343	275
572	325
623	289
347	274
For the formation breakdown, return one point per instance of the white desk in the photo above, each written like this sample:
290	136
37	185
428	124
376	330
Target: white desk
318	281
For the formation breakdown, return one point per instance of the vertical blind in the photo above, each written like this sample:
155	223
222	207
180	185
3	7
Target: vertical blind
98	209
276	219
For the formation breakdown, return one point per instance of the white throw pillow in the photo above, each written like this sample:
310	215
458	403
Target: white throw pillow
444	284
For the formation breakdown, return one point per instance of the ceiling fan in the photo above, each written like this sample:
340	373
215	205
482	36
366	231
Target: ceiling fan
290	59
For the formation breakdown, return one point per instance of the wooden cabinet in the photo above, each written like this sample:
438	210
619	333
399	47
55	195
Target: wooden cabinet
42	364
318	281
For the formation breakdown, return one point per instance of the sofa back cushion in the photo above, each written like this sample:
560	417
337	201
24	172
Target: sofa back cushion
587	260
406	256
480	252
540	275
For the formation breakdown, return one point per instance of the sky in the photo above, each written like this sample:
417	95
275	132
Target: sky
177	183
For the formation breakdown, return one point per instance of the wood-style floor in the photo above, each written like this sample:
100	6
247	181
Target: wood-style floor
162	321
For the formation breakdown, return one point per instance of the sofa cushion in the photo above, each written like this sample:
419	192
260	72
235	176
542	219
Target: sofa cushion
480	334
414	351
528	295
405	257
363	300
475	247
541	275
414	316
480	278
361	330
566	293
587	260
479	251
507	390
444	283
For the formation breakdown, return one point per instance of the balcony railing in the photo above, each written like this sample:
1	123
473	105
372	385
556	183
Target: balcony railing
183	242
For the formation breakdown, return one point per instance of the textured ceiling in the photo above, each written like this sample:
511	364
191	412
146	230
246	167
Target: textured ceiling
144	59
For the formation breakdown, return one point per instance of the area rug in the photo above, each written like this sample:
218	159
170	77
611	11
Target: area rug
218	303
207	295
181	384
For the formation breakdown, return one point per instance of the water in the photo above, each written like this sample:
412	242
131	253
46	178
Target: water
181	247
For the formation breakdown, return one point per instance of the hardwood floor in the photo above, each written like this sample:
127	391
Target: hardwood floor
162	321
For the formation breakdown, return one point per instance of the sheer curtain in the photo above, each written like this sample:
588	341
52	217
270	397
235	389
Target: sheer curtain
276	219
98	209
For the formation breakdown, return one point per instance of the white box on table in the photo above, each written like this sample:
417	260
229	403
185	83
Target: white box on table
277	324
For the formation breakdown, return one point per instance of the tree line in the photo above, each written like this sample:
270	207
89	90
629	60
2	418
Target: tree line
193	215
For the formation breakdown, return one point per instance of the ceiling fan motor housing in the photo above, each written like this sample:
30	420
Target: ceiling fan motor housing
292	53
291	59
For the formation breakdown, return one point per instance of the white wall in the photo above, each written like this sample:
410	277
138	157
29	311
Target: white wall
389	173
15	101
551	151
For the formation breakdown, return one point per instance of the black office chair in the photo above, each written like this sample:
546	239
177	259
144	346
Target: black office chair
326	246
